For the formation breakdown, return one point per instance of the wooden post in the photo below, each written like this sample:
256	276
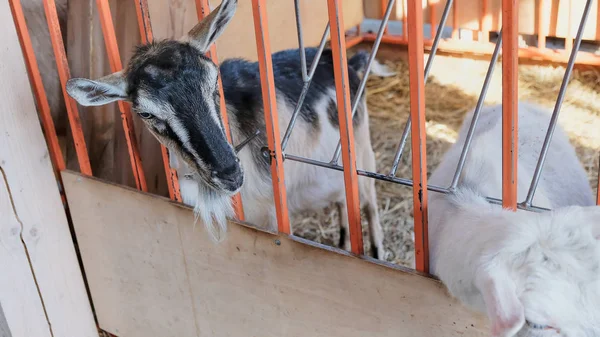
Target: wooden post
43	293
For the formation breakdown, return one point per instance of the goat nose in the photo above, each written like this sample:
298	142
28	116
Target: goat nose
231	174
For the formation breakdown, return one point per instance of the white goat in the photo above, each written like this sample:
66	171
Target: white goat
173	88
535	274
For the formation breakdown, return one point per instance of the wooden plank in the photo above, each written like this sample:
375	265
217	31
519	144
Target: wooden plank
4	332
22	313
151	273
44	230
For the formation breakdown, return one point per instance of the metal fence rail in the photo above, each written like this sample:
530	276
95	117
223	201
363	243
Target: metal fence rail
454	45
507	43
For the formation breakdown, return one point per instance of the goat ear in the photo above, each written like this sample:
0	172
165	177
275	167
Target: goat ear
102	91
211	27
505	311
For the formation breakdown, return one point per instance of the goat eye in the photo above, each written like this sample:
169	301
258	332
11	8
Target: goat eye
144	115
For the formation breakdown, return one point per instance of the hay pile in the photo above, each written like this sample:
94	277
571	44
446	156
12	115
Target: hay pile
451	91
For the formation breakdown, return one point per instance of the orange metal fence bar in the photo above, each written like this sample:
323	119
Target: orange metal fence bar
418	143
455	19
404	20
64	75
541	28
598	21
114	59
203	9
38	87
143	17
485	21
510	98
263	47
340	66
432	20
383	6
569	38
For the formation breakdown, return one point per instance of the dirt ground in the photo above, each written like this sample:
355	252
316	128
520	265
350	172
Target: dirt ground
452	90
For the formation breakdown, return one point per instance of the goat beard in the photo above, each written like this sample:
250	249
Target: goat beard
213	208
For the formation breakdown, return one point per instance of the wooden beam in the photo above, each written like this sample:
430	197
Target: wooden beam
152	273
41	288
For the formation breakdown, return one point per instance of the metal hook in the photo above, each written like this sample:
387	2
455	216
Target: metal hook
246	141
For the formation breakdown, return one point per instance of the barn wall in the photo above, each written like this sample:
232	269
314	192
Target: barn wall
471	15
173	18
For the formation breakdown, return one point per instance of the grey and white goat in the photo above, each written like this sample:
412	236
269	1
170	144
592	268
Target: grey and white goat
534	274
173	87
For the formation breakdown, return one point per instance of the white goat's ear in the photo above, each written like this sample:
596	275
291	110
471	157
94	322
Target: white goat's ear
505	311
102	91
211	27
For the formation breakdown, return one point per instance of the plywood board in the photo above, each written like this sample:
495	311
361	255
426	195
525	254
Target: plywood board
36	240
151	273
174	18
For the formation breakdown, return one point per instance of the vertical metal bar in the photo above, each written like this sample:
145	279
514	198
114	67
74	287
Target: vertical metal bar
405	20
542	27
480	101
300	40
64	74
269	95
569	38
114	59
340	66
417	113
363	82
510	101
145	26
598	21
432	8
455	34
38	87
382	7
559	100
305	87
485	21
430	59
203	9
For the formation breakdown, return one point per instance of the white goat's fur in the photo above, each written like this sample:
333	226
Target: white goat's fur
521	268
